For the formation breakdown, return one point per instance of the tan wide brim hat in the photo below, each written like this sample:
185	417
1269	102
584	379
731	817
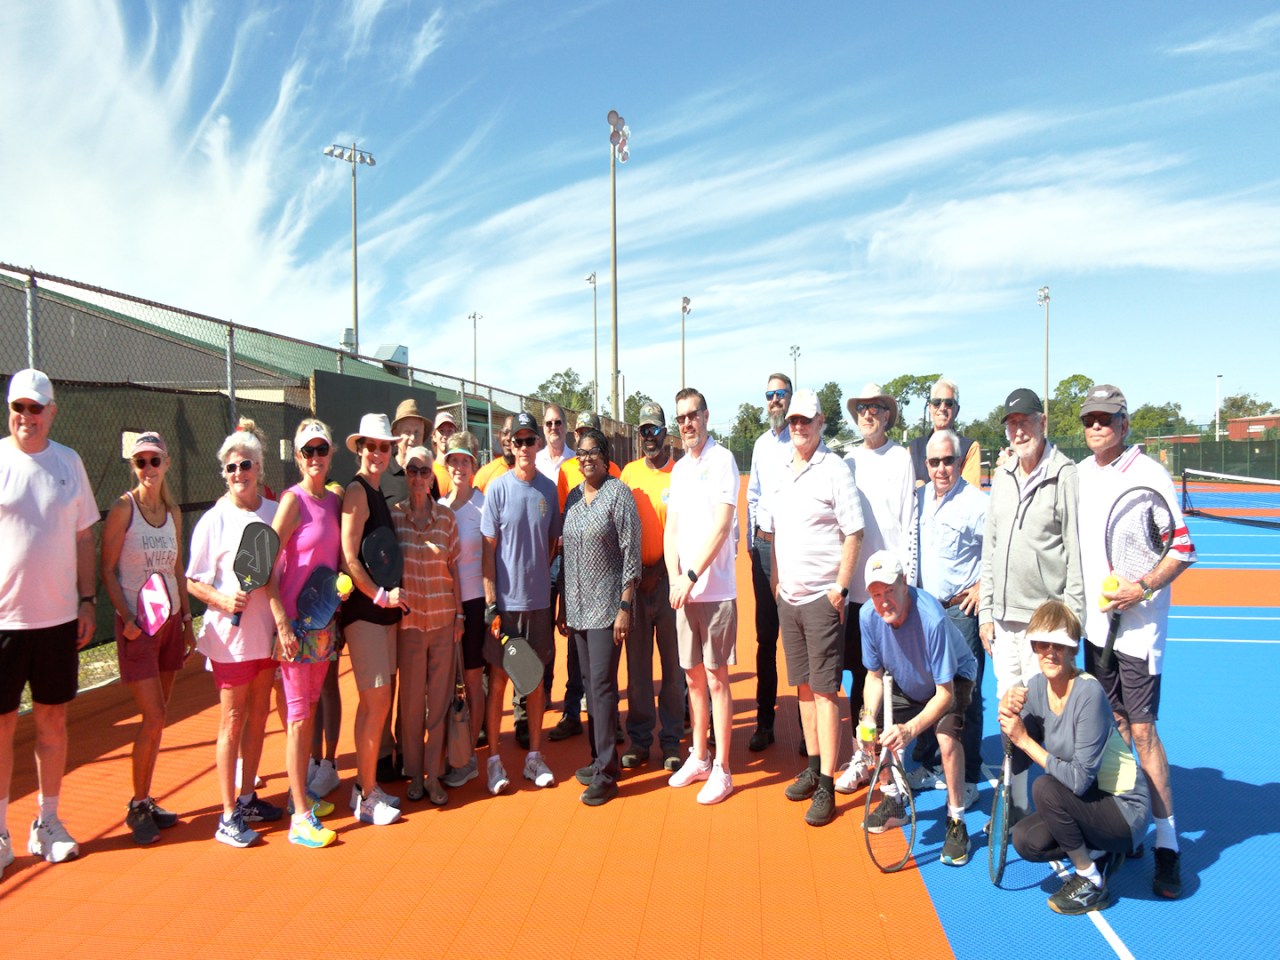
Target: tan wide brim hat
873	391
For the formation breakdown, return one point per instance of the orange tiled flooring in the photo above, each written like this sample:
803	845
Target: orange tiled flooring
531	873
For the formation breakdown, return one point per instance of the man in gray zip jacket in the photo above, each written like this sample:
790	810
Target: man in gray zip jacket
1031	549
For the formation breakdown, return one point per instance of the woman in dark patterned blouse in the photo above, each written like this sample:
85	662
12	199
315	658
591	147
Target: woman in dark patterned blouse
597	584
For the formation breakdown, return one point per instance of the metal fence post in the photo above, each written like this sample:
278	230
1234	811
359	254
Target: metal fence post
31	320
231	377
489	417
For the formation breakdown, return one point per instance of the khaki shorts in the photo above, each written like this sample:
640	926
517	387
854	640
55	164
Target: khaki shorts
707	634
372	648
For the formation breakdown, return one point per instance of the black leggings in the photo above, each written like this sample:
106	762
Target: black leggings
1063	822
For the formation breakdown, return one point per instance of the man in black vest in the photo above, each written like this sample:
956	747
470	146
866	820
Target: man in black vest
944	408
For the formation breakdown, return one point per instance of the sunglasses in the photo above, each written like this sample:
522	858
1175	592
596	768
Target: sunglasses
141	462
33	409
523	441
244	466
864	407
381	446
555	423
947	402
799	421
315	450
940	461
689	417
415	471
649	431
1096	419
776	394
589	453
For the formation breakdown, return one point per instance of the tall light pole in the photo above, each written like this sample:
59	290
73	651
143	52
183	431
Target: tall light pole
685	310
1217	410
795	355
595	347
1042	299
619	134
353	157
475	319
621	413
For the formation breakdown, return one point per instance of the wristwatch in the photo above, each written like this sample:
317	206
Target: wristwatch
1147	592
93	600
624	605
693	577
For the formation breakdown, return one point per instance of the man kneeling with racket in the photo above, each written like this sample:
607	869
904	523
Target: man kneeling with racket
909	636
1133	544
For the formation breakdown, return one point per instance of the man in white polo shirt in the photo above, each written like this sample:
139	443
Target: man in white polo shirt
817	529
698	548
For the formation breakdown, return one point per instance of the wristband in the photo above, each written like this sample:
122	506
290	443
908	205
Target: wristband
382	598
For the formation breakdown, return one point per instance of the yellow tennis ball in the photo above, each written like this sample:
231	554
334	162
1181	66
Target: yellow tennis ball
344	585
1109	585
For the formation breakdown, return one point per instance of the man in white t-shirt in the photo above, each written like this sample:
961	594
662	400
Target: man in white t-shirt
699	549
47	593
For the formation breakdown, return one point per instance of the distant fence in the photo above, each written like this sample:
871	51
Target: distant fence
122	364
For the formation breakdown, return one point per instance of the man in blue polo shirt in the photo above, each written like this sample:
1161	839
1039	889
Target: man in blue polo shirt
907	634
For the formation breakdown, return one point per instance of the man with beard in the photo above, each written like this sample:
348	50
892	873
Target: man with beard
649	478
769	459
498	465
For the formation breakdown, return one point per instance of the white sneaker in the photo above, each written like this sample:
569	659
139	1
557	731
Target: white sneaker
854	774
536	769
375	809
926	778
6	851
498	778
970	795
692	771
718	786
326	779
377	792
51	841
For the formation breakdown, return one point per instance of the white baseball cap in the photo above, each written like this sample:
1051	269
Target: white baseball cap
31	384
883	567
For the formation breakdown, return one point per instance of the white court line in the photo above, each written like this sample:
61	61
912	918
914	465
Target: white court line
1215	640
1208	616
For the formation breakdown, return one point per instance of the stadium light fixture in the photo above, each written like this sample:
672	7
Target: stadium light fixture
619	137
353	156
795	355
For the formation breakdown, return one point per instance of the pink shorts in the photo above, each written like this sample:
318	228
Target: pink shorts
302	684
146	657
237	673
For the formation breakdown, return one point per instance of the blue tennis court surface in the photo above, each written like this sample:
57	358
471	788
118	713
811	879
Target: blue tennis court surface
1218	721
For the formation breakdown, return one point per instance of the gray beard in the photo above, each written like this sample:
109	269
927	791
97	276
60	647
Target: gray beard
777	421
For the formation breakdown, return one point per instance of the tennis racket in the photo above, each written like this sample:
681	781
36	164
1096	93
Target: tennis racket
1139	534
1001	816
255	558
154	605
889	821
380	554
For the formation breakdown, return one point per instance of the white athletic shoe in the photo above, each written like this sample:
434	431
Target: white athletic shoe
51	841
536	769
854	774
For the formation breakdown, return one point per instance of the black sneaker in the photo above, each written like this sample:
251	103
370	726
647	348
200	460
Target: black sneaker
163	818
823	808
570	725
1079	895
585	775
955	849
891	812
635	757
139	822
598	794
1168	879
805	784
760	739
671	759
522	734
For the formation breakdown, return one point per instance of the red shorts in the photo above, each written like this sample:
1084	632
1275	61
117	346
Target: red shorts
237	673
145	657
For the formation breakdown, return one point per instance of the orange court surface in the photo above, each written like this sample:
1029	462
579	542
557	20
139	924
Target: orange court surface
530	873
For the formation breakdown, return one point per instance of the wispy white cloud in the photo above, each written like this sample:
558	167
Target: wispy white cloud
424	43
1258	34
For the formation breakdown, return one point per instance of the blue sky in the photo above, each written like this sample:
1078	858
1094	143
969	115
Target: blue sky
885	186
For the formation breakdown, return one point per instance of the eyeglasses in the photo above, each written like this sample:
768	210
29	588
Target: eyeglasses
524	441
141	462
776	394
244	466
691	417
947	402
1097	419
864	407
382	446
555	423
33	409
936	462
649	431
416	471
799	421
590	453
315	450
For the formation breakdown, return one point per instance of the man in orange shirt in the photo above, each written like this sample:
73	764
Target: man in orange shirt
498	465
445	427
649	478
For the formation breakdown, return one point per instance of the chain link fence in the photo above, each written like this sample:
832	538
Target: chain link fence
122	364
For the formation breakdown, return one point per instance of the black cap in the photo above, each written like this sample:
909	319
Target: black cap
1021	400
1104	398
523	421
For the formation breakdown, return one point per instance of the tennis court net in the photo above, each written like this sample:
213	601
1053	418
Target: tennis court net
1225	496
